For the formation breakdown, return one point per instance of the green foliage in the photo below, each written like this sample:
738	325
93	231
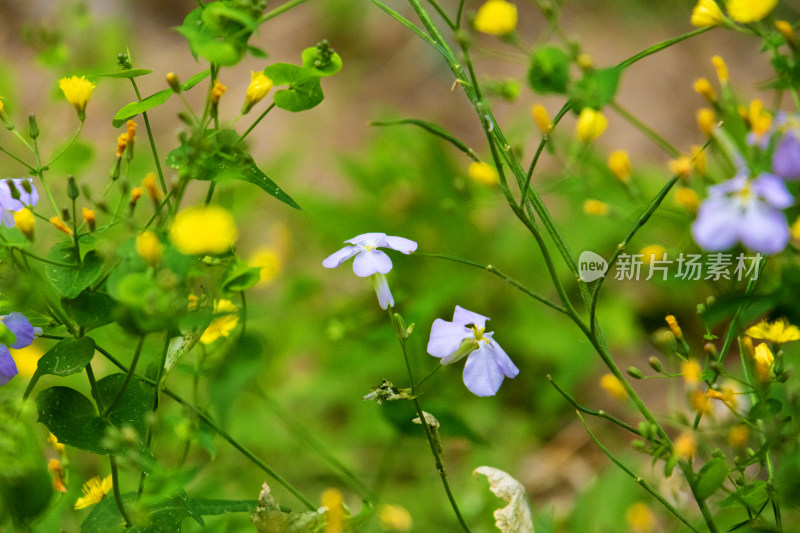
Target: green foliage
549	70
596	89
219	32
68	356
71	276
152	101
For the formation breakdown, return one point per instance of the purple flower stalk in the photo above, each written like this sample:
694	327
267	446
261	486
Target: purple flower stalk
24	333
15	194
369	261
746	211
466	336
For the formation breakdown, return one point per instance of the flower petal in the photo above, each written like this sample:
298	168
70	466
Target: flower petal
773	190
337	258
375	239
716	224
786	159
463	317
401	244
763	229
502	359
370	262
446	337
385	298
481	375
21	327
8	369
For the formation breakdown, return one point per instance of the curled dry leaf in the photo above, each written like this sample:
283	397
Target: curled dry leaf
516	516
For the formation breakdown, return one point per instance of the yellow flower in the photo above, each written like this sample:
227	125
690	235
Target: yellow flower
640	518
706	120
136	193
726	395
203	230
688	198
259	86
54	466
93	492
335	515
484	173
149	184
738	436
226	316
778	332
395	518
764	359
25	222
57	446
591	123
78	92
122	142
682	166
270	262
496	17
652	252
620	165
89	217
700	402
744	11
595	207
692	371
216	92
703	87
758	119
131	132
685	445
706	13
699	160
786	30
542	119
672	322
612	385
57	222
722	69
149	247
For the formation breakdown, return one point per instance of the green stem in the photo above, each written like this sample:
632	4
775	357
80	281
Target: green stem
435	130
255	123
646	130
17	159
128	377
64	149
117	493
660	46
156	392
278	10
152	141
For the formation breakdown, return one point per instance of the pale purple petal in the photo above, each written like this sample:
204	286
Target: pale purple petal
375	239
502	359
401	244
385	298
7	218
786	159
463	317
481	375
763	229
8	369
337	258
28	198
370	262
735	184
446	337
21	327
716	224
773	190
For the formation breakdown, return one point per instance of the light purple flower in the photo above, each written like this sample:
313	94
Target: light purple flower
25	333
786	158
26	196
466	335
746	211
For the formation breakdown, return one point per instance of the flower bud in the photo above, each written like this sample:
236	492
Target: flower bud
259	86
149	247
620	165
174	82
4	116
542	119
635	372
705	14
216	92
58	223
722	69
484	173
33	126
149	184
89	217
703	87
706	120
785	29
655	364
72	188
595	207
25	222
591	124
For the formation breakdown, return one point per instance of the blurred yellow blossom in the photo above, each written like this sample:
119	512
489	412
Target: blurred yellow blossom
54	466
779	331
688	198
496	17
738	435
682	166
721	68
93	492
149	247
703	87
726	395
259	86
57	446
785	29
706	120
758	118
203	230
122	142
149	184
764	359
217	91
25	222
58	223
78	92
542	119
269	261
483	173
612	385
706	13
27	358
652	252
640	518
591	124
672	322
595	207
700	402
335	515
620	165
691	371
226	316
795	229
395	518
89	217
685	445
745	11
699	160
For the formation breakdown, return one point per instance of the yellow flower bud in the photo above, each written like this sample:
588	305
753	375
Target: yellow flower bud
149	184
620	165
745	11
690	370
58	223
149	247
706	121
681	167
203	230
484	173
699	160
78	92
335	515
54	466
216	92
672	322
688	198
722	69
685	445
136	193
89	217
131	132
786	30
591	124
584	61
25	222
496	17
612	385
122	142
595	207
703	87
259	86
174	82
764	359
706	13
542	119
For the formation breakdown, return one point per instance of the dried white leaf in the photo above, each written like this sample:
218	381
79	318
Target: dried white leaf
516	516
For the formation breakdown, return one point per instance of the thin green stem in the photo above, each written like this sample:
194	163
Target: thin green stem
646	130
63	149
152	140
661	46
128	377
117	492
435	130
156	392
278	10
434	371
255	123
17	159
442	14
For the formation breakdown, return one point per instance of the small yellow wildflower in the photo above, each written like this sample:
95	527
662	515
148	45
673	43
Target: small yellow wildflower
706	120
27	359
688	198
726	395
57	446
122	142
699	160
672	322
682	166
93	492
591	124
78	92
542	119
685	445
703	87
216	92
620	165
174	82
612	385
584	61
779	331
764	359
692	371
706	13
89	217
259	86
226	316
745	11
269	261
758	119
54	466
335	515
136	193
496	17
203	230
131	132
700	402
149	247
640	518
738	435
786	30
653	252
395	518
25	222
149	184
595	207
57	222
795	229
484	173
722	69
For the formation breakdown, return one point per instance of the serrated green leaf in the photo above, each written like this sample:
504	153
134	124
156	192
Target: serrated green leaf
549	70
133	73
71	281
309	55
710	478
67	357
596	89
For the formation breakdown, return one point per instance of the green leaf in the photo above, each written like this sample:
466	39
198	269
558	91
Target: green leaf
710	478
218	32
71	281
765	409
133	73
300	96
252	174
194	80
72	418
549	70
67	357
133	406
240	276
754	496
256	52
286	74
310	56
134	108
91	309
159	518
596	89
224	19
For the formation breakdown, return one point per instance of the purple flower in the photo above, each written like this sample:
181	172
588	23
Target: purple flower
15	194
24	333
744	210
466	335
786	158
369	261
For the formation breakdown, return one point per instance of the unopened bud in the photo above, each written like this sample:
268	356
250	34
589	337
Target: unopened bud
400	326
635	372
33	126
58	223
89	217
72	188
174	82
65	214
149	184
655	364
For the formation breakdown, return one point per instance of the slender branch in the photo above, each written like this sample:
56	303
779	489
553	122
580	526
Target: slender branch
128	377
153	148
435	130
